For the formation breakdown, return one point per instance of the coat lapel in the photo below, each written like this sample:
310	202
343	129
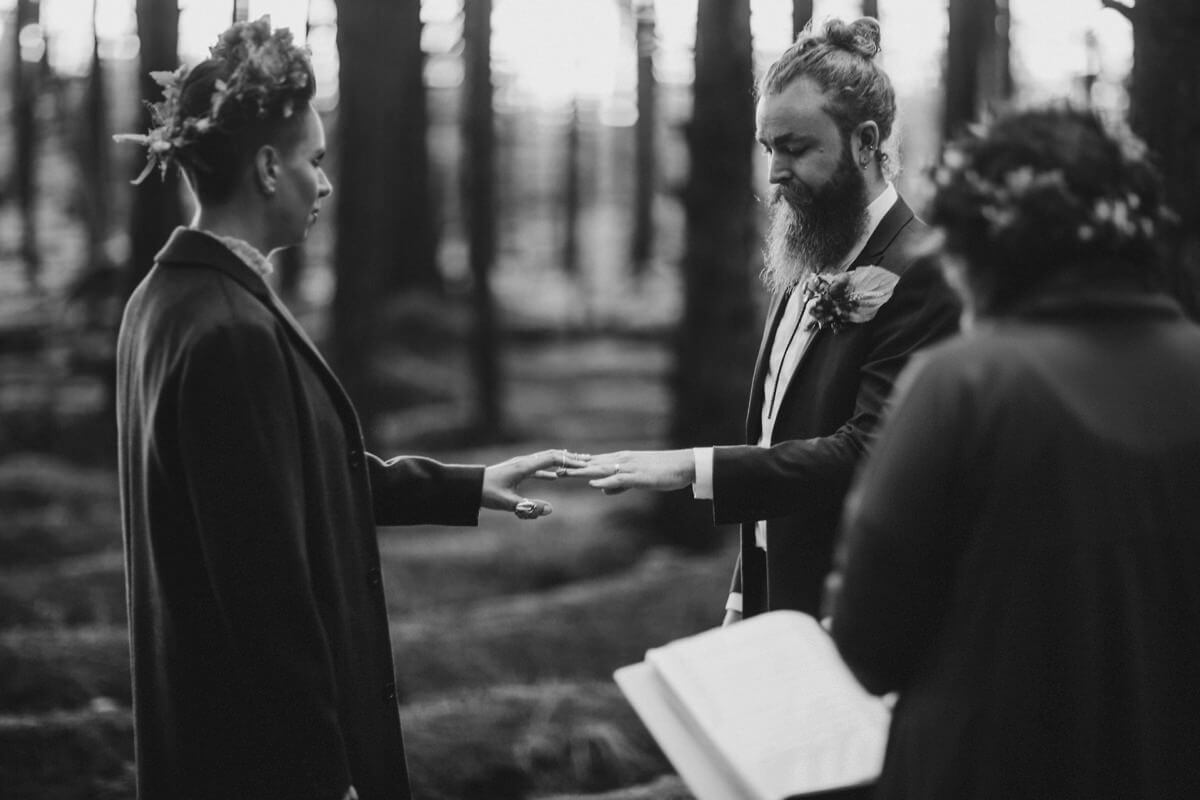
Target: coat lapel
894	221
194	248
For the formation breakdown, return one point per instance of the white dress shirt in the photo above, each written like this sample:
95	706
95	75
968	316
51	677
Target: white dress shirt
790	341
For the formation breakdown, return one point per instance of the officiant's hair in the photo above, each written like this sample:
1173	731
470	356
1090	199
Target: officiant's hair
840	59
1049	195
266	82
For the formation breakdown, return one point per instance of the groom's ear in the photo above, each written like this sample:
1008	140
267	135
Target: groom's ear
266	168
865	142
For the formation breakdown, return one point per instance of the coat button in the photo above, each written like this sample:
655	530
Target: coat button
374	577
356	459
389	693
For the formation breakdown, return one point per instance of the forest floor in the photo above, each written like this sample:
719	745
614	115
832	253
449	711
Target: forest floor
505	635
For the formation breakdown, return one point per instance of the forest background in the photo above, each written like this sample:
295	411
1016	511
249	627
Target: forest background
544	233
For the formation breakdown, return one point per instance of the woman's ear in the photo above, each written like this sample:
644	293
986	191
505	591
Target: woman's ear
266	168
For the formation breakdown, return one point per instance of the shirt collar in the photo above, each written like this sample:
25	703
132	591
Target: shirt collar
877	209
247	253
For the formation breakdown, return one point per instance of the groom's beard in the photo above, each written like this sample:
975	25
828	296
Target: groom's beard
812	232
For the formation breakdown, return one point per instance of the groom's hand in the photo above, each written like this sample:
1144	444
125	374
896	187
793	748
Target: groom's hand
501	481
658	470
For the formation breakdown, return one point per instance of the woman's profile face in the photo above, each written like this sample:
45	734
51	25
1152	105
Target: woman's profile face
301	183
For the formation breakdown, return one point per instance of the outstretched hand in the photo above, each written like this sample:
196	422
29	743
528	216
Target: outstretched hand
501	481
657	470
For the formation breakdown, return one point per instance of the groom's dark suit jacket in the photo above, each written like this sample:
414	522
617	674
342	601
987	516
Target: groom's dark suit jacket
825	423
261	659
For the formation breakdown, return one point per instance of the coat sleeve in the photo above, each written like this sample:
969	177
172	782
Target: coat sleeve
411	490
753	483
895	558
240	448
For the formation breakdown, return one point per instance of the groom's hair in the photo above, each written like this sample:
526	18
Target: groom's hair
840	59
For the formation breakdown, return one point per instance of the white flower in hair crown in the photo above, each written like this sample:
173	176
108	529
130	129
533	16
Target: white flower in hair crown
847	298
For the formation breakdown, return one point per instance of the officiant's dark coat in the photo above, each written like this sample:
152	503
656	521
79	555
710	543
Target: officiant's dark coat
826	421
262	666
1022	559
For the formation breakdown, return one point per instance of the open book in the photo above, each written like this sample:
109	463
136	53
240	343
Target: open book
761	710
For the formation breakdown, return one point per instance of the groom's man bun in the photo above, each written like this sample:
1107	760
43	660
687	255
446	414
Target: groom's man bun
840	59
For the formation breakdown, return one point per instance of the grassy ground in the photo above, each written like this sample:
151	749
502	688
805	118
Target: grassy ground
505	635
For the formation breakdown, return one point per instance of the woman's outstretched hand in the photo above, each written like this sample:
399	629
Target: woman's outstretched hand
657	470
502	481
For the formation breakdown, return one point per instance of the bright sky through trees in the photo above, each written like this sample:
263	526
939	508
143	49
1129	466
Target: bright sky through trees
554	50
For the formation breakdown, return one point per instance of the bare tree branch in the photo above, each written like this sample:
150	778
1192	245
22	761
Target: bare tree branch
1124	9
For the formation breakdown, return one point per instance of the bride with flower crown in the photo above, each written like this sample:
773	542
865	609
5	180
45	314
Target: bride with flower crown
261	660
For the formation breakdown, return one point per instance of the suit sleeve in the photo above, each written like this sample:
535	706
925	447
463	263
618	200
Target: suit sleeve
753	483
240	446
895	558
411	490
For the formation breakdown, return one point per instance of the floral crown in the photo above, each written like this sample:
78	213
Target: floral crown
1025	201
270	70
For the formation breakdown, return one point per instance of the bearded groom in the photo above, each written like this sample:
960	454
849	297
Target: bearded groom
849	307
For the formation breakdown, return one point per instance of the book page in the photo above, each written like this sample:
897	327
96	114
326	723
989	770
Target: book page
774	696
705	769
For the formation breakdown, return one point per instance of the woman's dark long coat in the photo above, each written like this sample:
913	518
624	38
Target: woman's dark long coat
262	665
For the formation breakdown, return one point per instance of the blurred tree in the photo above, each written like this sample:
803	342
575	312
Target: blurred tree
870	8
802	14
414	212
571	198
93	143
645	157
977	73
289	263
30	61
1164	109
478	192
156	206
716	343
384	217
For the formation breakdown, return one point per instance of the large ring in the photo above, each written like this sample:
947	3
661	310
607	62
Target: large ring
562	459
616	468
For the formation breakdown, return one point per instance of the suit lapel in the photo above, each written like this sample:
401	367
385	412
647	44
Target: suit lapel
757	390
894	221
194	248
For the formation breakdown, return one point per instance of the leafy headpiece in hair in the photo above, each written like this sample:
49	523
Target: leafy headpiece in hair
270	68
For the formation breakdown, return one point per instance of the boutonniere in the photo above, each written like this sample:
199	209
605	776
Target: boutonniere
847	298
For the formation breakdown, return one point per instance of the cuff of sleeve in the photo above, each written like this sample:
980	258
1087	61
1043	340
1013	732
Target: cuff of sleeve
702	487
734	603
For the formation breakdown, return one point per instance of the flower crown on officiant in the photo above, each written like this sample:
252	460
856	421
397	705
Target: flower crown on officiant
1062	183
253	76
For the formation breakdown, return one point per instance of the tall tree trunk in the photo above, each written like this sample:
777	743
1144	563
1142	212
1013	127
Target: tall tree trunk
977	71
478	191
802	14
290	261
716	343
571	199
27	76
414	223
241	11
1165	111
382	213
870	8
645	158
93	148
156	207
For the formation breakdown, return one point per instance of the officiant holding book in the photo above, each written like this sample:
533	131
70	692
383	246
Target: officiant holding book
1022	551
